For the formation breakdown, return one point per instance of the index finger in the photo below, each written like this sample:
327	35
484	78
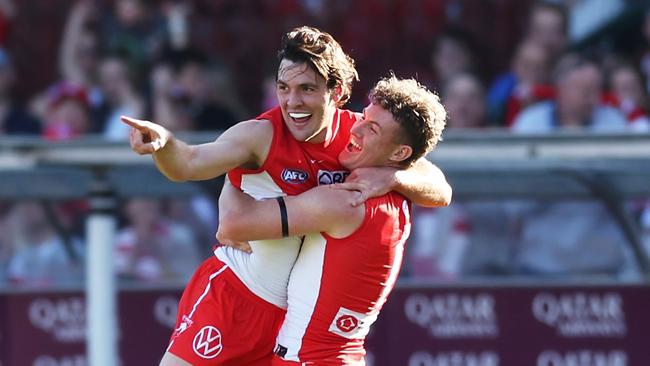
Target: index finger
135	123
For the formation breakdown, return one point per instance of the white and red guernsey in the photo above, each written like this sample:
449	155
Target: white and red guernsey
291	167
338	286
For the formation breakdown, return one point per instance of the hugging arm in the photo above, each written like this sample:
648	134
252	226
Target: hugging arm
424	184
318	210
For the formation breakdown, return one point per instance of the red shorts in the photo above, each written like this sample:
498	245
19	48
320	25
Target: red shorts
221	322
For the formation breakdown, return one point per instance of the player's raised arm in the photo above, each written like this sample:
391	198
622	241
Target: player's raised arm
246	143
320	209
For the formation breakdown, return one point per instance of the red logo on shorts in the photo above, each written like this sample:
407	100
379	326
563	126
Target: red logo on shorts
207	342
347	323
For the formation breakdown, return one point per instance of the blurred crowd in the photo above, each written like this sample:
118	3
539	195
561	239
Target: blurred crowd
153	60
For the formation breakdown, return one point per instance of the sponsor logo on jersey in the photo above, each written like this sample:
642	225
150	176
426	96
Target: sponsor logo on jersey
351	324
294	176
326	177
347	323
207	342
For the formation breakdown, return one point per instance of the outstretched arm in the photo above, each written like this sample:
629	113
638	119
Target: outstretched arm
423	183
318	210
245	144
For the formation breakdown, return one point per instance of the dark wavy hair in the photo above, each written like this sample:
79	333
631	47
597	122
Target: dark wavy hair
324	55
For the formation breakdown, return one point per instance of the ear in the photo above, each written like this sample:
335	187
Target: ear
337	93
401	153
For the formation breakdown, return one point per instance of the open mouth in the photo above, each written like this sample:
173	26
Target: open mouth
300	117
353	146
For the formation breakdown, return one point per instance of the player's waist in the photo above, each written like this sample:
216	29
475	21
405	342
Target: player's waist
230	277
272	291
333	358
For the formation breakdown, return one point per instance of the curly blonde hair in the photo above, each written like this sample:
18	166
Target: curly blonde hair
324	55
419	112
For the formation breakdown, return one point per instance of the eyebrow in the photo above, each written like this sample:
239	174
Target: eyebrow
313	85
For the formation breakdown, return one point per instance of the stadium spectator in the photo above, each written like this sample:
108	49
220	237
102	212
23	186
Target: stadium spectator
122	97
67	115
166	105
591	242
151	247
189	95
200	215
453	53
628	95
548	26
464	98
136	30
79	52
579	88
41	255
526	83
466	238
14	120
438	243
196	87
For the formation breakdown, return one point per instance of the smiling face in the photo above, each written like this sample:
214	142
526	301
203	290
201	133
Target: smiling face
374	141
307	104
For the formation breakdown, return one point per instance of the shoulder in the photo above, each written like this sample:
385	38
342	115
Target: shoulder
609	118
536	118
348	115
253	129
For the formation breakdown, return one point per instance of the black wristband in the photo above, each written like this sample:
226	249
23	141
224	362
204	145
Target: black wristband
283	217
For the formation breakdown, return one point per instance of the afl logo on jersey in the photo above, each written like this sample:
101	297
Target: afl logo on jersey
294	176
326	177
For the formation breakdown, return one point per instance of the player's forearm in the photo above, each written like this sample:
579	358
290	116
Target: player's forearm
424	184
241	218
174	160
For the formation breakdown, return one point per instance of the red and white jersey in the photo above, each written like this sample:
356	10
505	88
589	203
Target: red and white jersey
338	286
291	167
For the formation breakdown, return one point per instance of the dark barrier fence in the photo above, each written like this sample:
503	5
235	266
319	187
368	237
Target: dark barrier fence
419	326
